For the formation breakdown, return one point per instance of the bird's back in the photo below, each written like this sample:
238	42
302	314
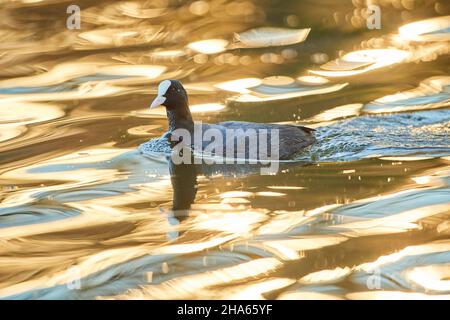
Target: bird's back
291	138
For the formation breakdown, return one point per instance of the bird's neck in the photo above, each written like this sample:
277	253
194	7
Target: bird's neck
180	118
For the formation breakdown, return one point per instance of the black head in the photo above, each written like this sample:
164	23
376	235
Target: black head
172	95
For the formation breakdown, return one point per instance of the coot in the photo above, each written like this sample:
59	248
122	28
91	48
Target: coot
290	141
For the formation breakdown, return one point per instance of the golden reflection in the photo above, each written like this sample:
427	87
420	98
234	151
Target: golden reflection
90	168
283	222
199	8
83	92
9	131
255	291
400	222
429	248
344	65
237	194
86	266
75	192
422	180
195	108
432	93
71	70
210	46
146	130
312	80
206	108
434	179
283	94
395	295
14	116
168	55
270	194
270	37
358	62
235	201
325	276
444	228
201	284
290	249
345	111
118	37
193	247
104	259
431	277
278	81
420	268
321	210
124	13
286	187
434	29
240	85
308	295
231	222
140	10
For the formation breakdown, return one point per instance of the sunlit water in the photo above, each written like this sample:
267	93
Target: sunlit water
363	214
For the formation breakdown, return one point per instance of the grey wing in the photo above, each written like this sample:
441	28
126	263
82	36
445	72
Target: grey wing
292	138
217	129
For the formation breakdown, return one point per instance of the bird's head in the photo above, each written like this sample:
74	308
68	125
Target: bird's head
171	94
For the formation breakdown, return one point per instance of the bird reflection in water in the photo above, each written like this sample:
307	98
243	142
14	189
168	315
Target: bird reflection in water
183	177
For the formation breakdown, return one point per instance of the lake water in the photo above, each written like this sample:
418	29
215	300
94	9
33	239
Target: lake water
362	214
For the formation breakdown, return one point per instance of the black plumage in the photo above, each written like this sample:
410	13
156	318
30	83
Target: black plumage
291	138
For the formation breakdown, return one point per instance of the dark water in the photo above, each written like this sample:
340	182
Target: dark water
363	214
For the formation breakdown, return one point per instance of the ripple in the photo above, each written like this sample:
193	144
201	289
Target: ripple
417	134
71	70
146	130
361	61
282	88
201	283
404	270
340	112
118	37
15	116
78	202
239	85
210	46
432	93
325	276
270	37
434	29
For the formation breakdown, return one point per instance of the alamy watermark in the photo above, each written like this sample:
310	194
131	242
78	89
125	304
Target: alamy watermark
374	280
228	146
373	17
73	21
73	278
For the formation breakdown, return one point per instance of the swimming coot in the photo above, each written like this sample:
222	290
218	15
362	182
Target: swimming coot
291	138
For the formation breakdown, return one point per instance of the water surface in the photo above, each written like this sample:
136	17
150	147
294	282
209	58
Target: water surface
363	214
